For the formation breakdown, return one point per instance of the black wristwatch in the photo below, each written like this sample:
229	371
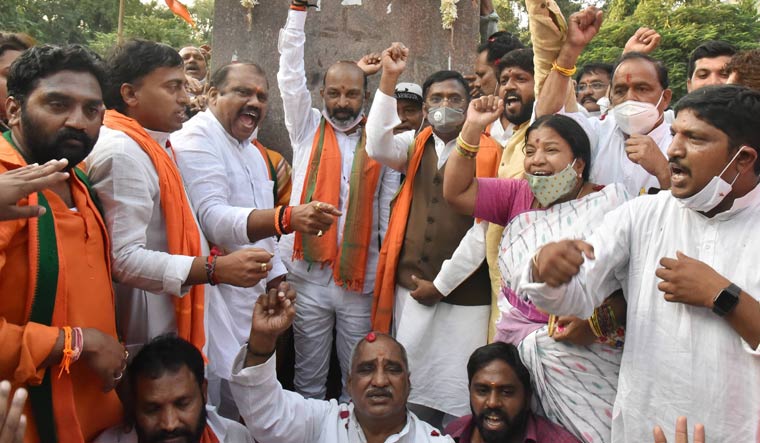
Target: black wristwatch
726	300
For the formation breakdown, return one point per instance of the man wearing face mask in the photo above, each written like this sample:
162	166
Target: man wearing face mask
685	262
628	146
432	285
333	271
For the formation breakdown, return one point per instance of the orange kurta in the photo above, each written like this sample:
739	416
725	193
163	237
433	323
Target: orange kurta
84	298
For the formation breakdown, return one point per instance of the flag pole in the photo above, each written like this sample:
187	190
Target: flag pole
120	28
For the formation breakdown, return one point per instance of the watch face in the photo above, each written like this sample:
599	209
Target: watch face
726	301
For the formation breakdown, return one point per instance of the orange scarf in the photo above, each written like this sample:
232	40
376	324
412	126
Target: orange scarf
209	436
182	233
323	184
385	283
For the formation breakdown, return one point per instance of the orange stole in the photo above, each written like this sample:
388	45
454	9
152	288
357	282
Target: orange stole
182	235
83	294
322	183
385	283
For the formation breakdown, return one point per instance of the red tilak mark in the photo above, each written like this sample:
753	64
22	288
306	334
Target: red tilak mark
371	337
628	78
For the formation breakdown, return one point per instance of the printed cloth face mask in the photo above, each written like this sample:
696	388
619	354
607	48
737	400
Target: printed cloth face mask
549	188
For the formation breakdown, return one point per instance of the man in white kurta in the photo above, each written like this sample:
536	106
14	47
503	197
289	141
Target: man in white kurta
673	262
378	385
324	306
227	180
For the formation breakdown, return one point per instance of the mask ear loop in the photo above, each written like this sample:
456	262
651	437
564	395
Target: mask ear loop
741	148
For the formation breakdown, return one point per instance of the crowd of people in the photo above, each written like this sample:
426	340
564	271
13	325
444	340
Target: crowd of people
536	252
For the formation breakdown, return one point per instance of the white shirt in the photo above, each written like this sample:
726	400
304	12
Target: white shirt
227	431
302	122
274	415
609	162
678	359
393	151
147	276
226	180
501	134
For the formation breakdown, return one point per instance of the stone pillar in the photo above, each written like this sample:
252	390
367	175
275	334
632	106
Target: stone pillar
339	32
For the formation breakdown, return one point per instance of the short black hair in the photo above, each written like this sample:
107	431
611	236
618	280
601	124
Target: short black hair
594	68
132	61
15	41
499	44
43	61
709	49
166	353
731	108
521	58
571	132
442	76
505	352
219	77
662	70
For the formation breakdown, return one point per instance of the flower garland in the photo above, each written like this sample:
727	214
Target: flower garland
249	4
448	13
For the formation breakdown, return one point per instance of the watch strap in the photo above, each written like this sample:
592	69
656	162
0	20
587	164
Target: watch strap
726	300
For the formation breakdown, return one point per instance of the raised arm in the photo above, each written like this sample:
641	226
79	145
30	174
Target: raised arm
291	79
581	28
382	145
270	412
460	187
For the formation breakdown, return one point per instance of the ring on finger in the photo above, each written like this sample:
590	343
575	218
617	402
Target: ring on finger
263	267
320	233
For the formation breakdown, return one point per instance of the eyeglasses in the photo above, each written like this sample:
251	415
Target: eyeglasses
453	101
596	86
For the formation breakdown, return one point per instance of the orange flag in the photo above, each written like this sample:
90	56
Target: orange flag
180	10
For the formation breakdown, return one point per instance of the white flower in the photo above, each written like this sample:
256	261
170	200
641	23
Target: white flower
448	13
249	4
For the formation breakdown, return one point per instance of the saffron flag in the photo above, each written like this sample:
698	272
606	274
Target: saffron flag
180	10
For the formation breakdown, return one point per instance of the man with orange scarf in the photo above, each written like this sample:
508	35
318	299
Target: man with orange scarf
432	283
333	273
161	259
57	327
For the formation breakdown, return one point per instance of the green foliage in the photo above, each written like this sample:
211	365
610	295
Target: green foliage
94	22
683	26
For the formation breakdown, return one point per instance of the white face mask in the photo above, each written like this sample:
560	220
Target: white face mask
604	105
634	117
343	125
713	193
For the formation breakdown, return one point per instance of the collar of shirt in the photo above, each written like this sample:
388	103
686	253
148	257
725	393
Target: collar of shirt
462	429
500	133
160	137
216	125
443	149
391	439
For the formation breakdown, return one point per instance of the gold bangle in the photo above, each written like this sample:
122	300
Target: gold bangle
567	72
466	145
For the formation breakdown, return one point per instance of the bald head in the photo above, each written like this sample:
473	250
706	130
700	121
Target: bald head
345	73
379	338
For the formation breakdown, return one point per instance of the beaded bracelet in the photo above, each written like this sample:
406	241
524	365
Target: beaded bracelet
211	269
567	72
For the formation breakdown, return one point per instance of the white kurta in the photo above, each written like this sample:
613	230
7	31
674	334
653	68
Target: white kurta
274	415
226	181
302	122
609	162
147	276
678	359
429	333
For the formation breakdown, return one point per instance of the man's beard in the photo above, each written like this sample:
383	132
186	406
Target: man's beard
526	111
45	147
513	428
348	115
190	435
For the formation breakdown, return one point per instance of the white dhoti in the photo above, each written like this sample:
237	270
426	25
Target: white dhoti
439	340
